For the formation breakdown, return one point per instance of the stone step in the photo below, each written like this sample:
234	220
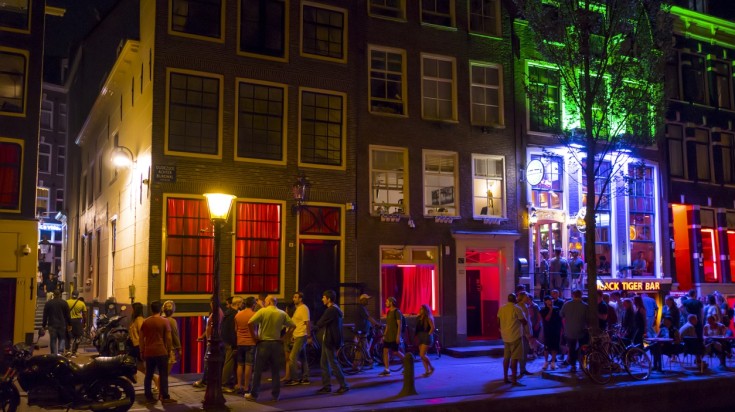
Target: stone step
494	350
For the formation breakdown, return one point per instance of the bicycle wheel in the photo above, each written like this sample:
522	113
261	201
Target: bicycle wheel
598	367
351	357
637	364
396	363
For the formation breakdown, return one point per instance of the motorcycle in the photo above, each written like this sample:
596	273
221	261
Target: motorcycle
53	381
110	337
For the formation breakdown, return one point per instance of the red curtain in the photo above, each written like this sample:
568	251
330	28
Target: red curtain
10	154
258	247
189	247
410	285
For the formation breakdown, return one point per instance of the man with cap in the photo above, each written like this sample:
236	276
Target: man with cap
364	322
77	312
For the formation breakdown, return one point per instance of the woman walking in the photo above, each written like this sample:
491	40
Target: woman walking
425	334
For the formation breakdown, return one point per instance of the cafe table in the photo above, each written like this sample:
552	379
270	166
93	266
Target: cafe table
655	346
726	341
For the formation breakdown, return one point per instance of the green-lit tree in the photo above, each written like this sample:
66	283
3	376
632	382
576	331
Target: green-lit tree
609	56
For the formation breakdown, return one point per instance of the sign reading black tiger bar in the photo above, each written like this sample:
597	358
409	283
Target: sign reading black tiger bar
164	173
629	285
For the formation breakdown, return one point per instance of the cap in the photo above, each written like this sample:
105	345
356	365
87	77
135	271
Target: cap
75	294
364	296
544	251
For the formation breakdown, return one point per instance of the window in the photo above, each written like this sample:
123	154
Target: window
323	32
42	201
61	127
258	246
189	247
710	248
47	114
697	145
722	150
720	84
692	77
59	200
261	118
10	162
60	160
410	274
488	185
675	145
322	128
544	106
484	17
44	157
549	193
13	68
641	206
438	91
14	14
392	9
387	180
441	194
193	114
603	239
200	18
438	12
263	27
486	95
387	81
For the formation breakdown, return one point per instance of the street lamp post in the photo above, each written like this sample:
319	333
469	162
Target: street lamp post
219	209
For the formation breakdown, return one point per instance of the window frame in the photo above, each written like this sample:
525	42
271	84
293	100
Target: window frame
548	161
27	28
220	109
498	33
691	160
59	196
26	56
343	124
428	204
681	148
719	150
344	37
405	205
401	9
60	160
547	130
219	39
404	83
284	121
498	87
19	165
43	195
424	56
452	14
48	112
712	75
407	257
286	35
703	77
486	178
46	155
630	212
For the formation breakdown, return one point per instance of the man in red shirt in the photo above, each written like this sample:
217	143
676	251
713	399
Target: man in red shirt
245	346
155	344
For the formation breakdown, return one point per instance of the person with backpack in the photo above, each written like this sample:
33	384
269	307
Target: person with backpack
392	337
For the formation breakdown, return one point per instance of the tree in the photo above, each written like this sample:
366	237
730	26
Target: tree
609	56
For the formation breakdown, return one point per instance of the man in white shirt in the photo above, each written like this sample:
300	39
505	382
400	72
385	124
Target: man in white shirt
511	321
301	335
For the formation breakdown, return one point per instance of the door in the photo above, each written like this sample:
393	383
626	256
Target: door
474	304
7	309
318	271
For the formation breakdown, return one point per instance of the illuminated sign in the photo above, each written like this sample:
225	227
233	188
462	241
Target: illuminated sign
628	285
50	226
534	172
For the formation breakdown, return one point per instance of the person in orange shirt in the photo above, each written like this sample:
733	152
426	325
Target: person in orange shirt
155	345
245	346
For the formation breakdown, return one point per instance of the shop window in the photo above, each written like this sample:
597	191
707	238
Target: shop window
323	32
675	146
13	68
201	18
486	95
692	75
44	157
322	128
263	28
391	9
488	185
720	84
722	151
438	88
544	106
189	239
549	193
413	281
258	245
261	114
194	114
14	14
438	12
697	149
642	216
387	81
10	168
485	17
441	194
387	182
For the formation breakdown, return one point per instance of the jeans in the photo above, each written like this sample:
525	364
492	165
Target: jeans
229	365
152	364
57	338
573	345
298	346
526	347
329	361
269	351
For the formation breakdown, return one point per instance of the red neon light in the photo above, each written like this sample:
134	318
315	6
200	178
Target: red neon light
714	257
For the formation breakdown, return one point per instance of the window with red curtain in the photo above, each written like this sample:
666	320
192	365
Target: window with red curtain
411	285
189	246
10	156
258	248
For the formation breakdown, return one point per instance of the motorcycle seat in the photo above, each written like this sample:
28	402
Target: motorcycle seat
106	366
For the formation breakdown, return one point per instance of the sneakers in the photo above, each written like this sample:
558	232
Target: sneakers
546	366
343	389
251	398
324	389
226	389
305	381
291	382
199	384
385	372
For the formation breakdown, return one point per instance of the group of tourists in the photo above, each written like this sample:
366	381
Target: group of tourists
64	320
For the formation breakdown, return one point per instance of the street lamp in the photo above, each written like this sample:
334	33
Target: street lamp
219	205
300	191
44	246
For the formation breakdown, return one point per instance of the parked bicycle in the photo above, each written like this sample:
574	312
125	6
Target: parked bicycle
607	354
353	357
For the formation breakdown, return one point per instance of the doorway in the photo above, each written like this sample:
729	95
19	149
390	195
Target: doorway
483	293
7	315
319	263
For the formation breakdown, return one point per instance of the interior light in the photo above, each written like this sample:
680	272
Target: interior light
433	291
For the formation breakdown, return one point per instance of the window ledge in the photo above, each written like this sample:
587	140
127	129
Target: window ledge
492	220
439	26
442	218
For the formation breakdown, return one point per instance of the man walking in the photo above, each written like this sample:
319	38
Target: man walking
270	321
57	320
330	325
229	338
301	335
155	345
392	335
574	316
77	313
245	346
511	321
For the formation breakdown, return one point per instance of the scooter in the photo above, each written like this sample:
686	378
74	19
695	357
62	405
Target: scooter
53	381
111	338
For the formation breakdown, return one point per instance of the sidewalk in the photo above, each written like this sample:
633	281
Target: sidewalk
463	384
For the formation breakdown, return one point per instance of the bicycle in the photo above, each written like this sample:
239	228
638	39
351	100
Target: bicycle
352	355
608	354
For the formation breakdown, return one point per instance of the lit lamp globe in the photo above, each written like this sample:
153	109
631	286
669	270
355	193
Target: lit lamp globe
121	158
219	205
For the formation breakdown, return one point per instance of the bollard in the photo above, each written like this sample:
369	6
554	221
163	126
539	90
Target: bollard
409	387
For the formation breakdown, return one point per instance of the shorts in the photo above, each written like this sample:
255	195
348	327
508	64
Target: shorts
77	328
513	350
425	338
390	345
246	355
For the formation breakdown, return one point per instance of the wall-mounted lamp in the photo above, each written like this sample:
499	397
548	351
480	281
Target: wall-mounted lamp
532	217
44	247
300	192
123	157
